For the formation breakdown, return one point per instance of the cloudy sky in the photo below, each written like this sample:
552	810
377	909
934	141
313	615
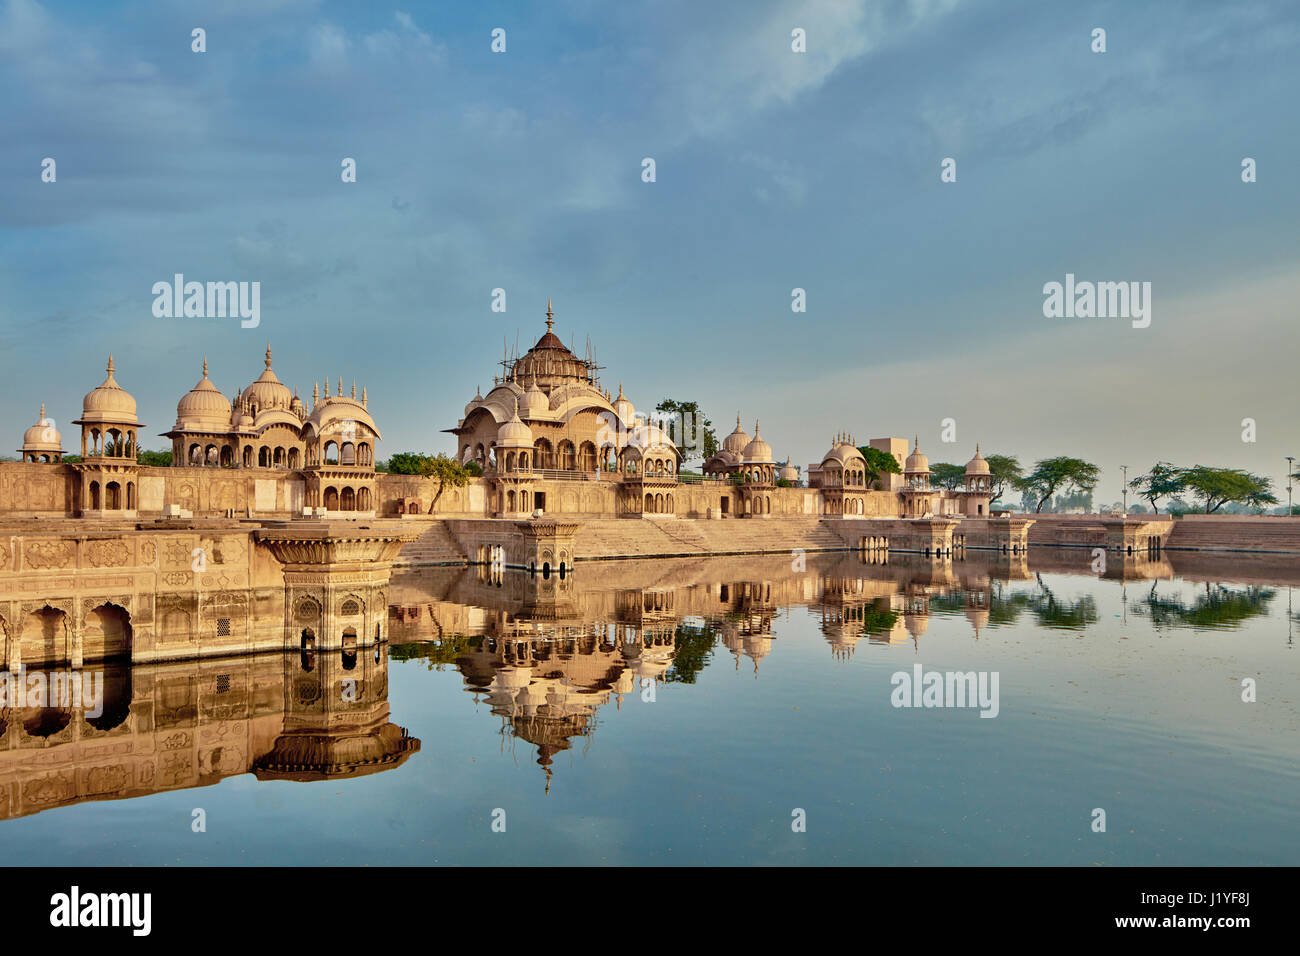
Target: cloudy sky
775	170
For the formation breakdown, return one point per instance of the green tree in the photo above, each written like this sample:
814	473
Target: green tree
1162	481
689	429
160	459
879	463
1218	486
1049	474
944	475
1004	471
447	472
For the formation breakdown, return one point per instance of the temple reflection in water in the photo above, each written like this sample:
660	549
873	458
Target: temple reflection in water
544	653
308	716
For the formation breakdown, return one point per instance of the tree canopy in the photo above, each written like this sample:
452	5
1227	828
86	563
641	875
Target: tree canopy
879	463
1004	470
1215	487
1049	474
944	475
1162	481
689	429
447	472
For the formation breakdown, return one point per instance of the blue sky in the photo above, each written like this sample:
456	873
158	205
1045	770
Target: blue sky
775	170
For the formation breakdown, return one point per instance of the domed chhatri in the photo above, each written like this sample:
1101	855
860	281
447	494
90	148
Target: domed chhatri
977	465
758	451
42	442
917	463
109	427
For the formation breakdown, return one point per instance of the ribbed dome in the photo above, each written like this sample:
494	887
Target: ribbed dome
514	433
478	398
788	472
268	391
758	451
977	465
43	436
534	403
737	440
203	408
109	403
843	451
916	462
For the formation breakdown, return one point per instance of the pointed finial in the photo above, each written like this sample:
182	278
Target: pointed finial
755	427
268	355
42	411
315	393
354	388
327	386
110	365
340	392
363	396
916	443
205	366
977	449
550	316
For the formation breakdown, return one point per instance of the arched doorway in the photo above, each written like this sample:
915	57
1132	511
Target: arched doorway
106	633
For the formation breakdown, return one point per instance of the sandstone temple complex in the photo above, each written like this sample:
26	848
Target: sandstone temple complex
547	438
272	529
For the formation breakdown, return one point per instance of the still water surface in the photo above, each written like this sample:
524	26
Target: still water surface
660	712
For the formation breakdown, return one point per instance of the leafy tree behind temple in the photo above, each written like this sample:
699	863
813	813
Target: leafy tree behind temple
1071	474
1004	470
689	429
879	463
447	472
944	475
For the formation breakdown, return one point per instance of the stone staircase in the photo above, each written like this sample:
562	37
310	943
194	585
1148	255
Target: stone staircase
661	537
1244	534
436	545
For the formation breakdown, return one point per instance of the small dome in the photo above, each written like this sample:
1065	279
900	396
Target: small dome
203	408
474	403
916	462
42	437
977	465
534	403
737	440
758	451
109	403
788	472
622	407
268	391
514	433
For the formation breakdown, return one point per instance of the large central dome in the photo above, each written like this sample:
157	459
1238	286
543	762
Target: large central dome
550	363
